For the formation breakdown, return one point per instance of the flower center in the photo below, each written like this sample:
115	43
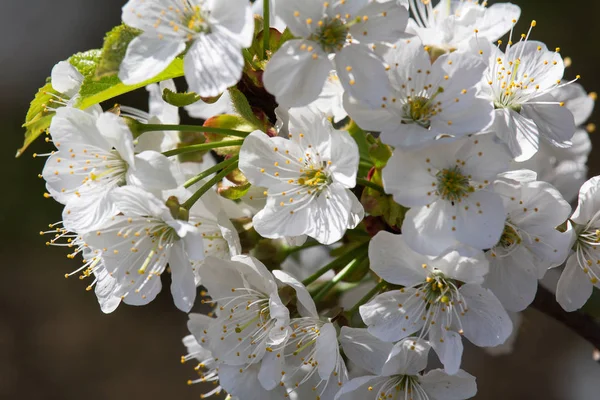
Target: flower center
399	385
452	185
438	288
510	237
331	35
195	19
420	109
314	178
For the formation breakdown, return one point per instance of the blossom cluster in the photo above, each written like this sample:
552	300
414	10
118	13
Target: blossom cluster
428	164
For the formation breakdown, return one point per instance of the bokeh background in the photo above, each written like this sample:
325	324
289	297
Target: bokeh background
55	343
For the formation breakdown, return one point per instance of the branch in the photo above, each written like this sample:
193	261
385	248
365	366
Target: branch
579	322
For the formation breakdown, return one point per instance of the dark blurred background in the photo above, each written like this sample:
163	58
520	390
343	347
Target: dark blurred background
55	343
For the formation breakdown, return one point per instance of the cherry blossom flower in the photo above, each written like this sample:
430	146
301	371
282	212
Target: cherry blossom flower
442	299
307	179
95	155
450	25
333	35
449	189
530	243
205	26
521	83
582	271
427	101
401	374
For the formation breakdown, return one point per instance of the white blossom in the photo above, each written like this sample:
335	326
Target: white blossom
442	299
251	318
451	24
307	179
521	83
449	189
333	35
530	243
95	155
565	168
427	100
138	241
401	375
219	28
582	271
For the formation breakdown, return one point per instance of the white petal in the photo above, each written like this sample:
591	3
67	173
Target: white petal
245	384
365	349
83	214
297	14
157	107
327	351
271	368
393	315
497	21
518	132
233	17
555	123
574	286
117	133
360	388
296	76
382	22
408	357
480	226
306	305
213	64
395	262
66	78
147	56
448	347
463	263
330	214
152	172
183	287
486	323
428	230
344	158
362	74
441	386
513	279
589	201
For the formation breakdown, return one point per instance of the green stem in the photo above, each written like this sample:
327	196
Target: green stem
349	269
369	184
202	147
208	185
345	259
189	128
380	286
266	28
211	170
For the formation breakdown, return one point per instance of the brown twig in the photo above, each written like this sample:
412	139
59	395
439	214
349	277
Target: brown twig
579	322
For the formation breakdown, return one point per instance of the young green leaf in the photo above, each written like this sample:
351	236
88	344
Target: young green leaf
39	116
113	51
180	99
235	192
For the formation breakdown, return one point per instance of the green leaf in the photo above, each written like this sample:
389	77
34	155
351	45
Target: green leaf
113	51
360	137
96	91
379	152
86	62
235	192
243	108
180	99
38	117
